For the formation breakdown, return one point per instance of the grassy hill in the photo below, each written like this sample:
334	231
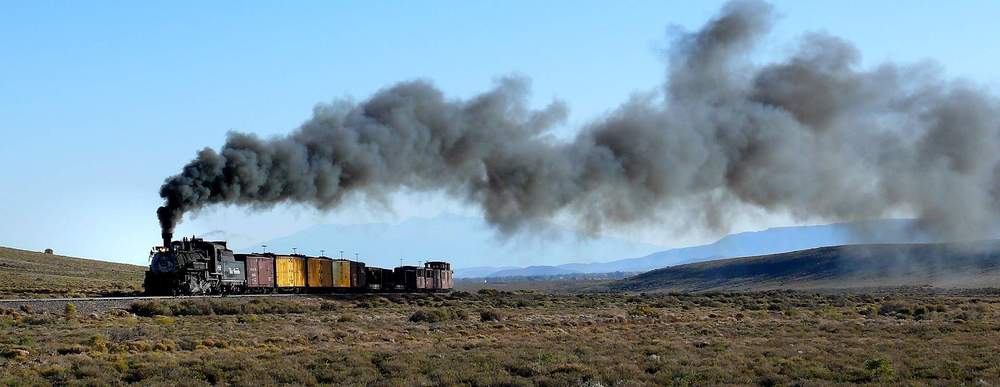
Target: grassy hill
29	274
958	265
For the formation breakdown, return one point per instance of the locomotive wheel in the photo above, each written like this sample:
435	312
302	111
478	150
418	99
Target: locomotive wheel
194	285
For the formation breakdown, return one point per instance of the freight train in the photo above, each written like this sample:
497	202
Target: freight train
195	266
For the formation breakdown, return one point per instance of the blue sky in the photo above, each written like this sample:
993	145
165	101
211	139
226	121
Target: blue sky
101	100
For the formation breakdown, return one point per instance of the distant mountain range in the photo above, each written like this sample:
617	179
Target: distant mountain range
473	247
952	265
770	241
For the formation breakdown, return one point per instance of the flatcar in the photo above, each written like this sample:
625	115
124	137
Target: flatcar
193	266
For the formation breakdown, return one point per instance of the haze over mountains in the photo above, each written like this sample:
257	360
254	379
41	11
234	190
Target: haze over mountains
770	241
942	265
476	251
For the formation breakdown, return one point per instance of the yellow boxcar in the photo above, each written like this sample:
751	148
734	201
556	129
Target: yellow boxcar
341	273
290	271
320	273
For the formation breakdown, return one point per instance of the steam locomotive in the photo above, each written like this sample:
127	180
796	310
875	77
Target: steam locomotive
193	266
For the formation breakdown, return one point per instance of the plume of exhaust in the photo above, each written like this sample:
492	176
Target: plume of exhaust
814	136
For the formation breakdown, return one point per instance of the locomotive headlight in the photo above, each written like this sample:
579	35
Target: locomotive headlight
166	265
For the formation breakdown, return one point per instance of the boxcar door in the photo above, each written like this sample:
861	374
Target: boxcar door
252	277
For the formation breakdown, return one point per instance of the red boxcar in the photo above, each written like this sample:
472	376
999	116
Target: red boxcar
260	270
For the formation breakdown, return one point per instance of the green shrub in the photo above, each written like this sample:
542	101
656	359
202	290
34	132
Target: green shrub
216	307
192	308
971	313
424	316
227	308
71	349
894	309
97	343
55	373
150	308
40	319
372	302
490	315
15	353
644	311
880	369
70	311
263	306
164	320
438	315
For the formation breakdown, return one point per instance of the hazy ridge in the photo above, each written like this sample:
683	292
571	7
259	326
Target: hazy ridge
769	241
943	265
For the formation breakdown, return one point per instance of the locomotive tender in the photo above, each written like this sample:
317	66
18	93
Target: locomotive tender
195	266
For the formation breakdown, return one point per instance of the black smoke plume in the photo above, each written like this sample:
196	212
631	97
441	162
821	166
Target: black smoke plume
813	136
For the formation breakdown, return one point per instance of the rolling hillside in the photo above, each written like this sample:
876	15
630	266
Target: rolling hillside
29	274
957	265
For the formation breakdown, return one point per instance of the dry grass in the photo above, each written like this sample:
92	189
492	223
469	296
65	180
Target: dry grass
28	274
523	338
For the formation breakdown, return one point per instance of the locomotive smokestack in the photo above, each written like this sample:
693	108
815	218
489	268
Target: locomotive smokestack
167	237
